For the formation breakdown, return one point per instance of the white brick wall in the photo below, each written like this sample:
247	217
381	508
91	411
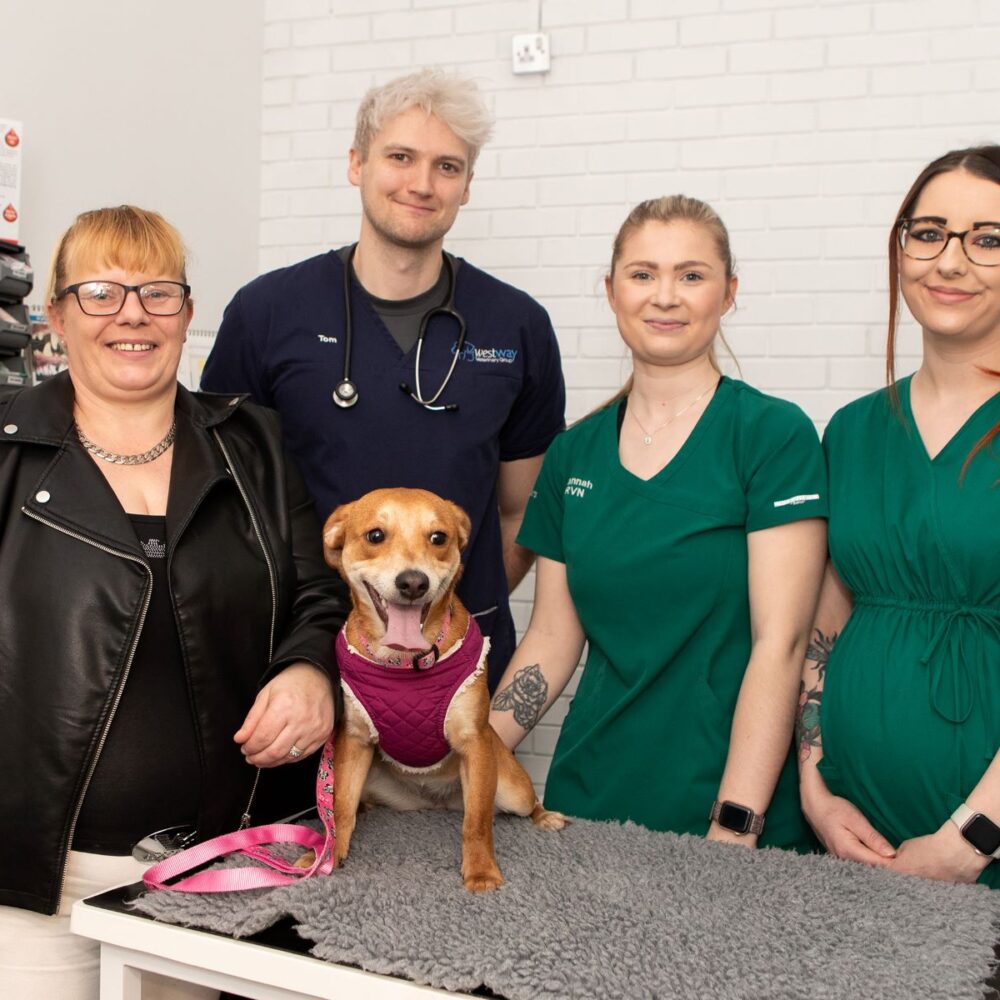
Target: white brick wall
803	122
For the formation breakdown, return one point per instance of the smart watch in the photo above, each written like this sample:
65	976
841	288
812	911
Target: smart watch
738	819
979	830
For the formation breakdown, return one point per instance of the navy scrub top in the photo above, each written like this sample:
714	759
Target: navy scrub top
281	340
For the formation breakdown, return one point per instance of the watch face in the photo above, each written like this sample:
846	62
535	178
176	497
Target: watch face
736	818
982	833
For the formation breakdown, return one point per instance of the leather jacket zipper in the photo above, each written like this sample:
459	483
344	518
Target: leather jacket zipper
121	684
273	577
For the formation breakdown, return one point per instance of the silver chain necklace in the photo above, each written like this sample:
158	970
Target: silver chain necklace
647	436
109	456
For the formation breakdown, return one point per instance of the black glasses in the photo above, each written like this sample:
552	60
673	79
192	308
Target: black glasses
925	239
106	298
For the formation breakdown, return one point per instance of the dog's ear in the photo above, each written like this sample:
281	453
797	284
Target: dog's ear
463	525
334	535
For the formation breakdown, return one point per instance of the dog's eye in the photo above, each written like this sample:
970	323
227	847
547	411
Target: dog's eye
375	536
438	538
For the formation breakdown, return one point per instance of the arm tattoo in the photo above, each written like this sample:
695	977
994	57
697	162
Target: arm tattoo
807	720
819	651
524	696
807	717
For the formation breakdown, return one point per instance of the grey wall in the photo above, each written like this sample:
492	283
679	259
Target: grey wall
155	104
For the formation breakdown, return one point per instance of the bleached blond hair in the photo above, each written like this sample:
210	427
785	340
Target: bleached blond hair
455	99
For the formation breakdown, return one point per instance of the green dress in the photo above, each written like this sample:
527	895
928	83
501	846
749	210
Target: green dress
910	716
658	573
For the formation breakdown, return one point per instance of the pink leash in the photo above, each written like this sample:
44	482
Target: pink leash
251	843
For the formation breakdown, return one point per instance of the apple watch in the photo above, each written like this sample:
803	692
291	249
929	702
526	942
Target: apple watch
740	819
979	830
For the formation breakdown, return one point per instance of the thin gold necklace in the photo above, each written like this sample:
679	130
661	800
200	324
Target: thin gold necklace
647	436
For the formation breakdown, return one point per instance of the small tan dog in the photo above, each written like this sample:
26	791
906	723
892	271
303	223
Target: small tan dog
413	673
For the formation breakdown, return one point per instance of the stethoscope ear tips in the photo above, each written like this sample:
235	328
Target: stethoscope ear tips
345	394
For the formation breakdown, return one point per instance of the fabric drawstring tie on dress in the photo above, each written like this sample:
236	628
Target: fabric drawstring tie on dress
954	685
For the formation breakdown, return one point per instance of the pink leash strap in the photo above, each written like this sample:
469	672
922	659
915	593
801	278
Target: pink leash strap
251	843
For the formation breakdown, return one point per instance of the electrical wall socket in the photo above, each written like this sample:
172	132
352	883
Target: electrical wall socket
530	53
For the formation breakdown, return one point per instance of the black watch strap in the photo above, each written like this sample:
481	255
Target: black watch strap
739	819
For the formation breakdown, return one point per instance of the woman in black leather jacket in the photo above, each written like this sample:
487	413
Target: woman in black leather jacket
166	619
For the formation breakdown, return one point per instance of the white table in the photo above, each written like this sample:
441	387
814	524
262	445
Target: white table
132	944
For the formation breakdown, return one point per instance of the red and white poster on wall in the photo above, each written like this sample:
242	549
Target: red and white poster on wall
11	135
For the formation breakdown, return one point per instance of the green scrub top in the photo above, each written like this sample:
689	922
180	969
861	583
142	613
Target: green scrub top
910	716
657	571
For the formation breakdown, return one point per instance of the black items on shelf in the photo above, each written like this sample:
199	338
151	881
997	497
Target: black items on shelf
17	278
16	275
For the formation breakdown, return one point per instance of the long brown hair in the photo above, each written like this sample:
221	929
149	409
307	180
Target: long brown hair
671	208
980	161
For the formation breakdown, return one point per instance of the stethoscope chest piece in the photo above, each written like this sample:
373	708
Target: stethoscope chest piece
345	394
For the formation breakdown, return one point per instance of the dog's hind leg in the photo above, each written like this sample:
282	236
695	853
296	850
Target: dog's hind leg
547	819
516	793
352	759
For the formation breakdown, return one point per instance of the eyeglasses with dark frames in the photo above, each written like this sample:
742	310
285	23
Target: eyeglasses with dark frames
925	238
106	298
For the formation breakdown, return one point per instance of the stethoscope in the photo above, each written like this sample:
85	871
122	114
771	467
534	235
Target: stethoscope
345	394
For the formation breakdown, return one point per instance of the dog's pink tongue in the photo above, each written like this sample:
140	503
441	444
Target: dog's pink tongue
402	630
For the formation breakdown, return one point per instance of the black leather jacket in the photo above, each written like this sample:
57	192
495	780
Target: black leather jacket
250	592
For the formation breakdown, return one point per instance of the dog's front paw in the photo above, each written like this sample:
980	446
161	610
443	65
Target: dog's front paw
546	819
483	881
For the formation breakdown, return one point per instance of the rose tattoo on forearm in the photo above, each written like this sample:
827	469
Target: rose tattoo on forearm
524	696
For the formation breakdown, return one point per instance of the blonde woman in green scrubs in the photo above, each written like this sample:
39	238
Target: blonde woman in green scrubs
901	688
680	532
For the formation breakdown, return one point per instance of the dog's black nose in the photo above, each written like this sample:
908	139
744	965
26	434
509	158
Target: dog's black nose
412	584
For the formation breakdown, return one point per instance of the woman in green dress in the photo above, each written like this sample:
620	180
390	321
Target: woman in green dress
680	533
901	687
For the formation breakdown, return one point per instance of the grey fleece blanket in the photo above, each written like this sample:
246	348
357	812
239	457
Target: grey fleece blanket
602	910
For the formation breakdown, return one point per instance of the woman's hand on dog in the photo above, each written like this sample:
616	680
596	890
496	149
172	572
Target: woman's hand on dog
293	709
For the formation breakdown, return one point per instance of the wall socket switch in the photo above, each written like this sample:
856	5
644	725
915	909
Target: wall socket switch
530	53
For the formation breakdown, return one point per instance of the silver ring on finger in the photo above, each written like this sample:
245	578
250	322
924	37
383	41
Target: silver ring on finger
295	753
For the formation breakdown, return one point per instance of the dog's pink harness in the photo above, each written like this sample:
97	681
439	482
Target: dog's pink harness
405	708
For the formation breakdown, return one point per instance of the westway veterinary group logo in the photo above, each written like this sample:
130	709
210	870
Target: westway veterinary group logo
486	355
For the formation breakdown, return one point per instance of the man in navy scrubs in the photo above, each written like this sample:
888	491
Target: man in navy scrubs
479	440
